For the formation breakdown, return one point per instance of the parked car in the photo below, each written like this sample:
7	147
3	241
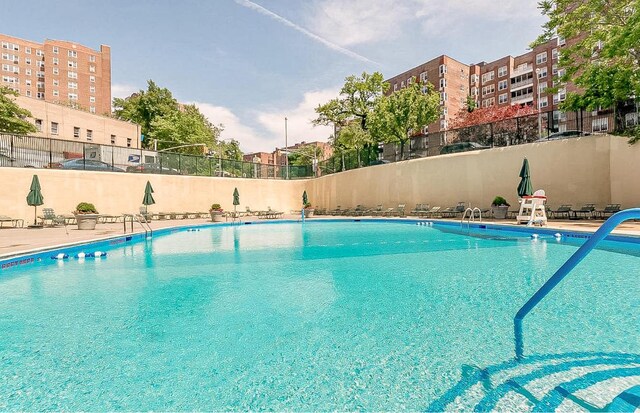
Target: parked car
462	147
379	162
566	134
152	168
9	161
85	164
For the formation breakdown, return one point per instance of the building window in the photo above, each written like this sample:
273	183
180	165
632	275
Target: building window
89	134
54	128
402	84
40	64
72	53
474	79
561	41
503	98
92	79
28	93
56	93
27	50
443	82
72	64
92	99
443	96
488	76
502	71
40	95
55	71
56	50
542	87
39	125
27	60
541	58
56	61
92	69
502	85
395	87
92	89
128	142
554	53
543	103
72	75
76	132
72	96
92	109
113	139
600	125
39	74
442	69
423	77
72	85
542	72
487	90
92	58
39	53
56	82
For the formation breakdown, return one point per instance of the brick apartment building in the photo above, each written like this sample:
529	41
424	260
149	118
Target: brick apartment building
277	157
58	71
520	80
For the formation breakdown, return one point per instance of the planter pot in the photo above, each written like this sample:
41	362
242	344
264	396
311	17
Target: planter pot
500	212
216	216
308	212
87	221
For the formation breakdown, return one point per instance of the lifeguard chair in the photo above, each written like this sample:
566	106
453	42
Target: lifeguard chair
533	210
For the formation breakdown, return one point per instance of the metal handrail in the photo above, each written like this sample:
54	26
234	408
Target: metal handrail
569	265
472	217
148	232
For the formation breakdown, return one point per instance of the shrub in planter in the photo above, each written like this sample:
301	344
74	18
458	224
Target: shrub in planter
86	215
216	212
499	207
308	210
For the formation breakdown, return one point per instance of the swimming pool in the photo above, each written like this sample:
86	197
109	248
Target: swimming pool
320	316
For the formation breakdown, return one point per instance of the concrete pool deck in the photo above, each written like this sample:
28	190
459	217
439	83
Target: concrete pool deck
17	241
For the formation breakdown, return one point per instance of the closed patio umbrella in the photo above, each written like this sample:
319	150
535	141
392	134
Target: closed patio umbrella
525	188
148	198
35	197
236	199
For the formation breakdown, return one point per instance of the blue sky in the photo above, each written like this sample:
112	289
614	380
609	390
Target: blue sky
248	64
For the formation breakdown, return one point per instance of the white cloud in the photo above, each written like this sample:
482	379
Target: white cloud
122	90
333	46
269	133
359	21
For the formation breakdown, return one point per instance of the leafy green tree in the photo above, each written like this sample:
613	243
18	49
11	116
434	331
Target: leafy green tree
357	99
397	116
13	117
602	53
145	107
304	155
185	127
353	138
230	150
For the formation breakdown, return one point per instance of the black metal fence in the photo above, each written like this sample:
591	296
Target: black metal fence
34	152
550	125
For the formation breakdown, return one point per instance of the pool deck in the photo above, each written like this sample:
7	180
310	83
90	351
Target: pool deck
17	241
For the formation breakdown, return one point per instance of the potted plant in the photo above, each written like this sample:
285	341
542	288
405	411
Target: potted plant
216	212
86	215
499	207
308	211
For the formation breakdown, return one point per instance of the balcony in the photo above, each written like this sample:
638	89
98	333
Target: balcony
521	84
518	100
521	70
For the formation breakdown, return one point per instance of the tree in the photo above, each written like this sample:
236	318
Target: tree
397	116
184	127
12	116
357	99
304	155
602	54
353	138
145	107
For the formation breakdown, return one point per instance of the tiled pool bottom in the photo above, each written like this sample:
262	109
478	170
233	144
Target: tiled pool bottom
347	316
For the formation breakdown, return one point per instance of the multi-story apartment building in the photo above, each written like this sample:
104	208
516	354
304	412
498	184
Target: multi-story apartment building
520	80
58	71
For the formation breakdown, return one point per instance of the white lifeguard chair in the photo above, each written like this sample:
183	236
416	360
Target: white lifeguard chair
533	209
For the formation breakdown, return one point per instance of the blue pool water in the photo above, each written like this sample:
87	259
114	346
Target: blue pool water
321	316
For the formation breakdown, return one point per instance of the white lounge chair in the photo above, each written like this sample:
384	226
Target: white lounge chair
532	209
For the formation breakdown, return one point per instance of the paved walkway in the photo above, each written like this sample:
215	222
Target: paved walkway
14	241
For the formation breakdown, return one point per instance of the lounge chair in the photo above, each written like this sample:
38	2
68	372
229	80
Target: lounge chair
397	211
609	210
357	211
14	222
585	212
374	212
453	212
564	211
420	210
50	219
337	211
434	212
533	209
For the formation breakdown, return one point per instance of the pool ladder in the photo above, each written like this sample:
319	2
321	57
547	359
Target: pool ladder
148	232
562	272
472	216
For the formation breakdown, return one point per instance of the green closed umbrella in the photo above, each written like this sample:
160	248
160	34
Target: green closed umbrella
35	197
525	188
305	200
148	198
236	199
